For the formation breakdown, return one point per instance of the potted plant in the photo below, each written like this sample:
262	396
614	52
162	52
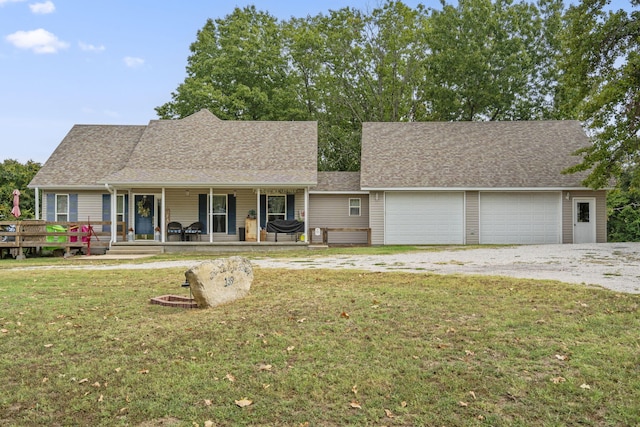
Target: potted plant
130	235
157	234
251	214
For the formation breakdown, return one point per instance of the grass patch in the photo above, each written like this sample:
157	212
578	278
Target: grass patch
319	346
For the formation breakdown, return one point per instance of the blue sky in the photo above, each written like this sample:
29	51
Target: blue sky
66	62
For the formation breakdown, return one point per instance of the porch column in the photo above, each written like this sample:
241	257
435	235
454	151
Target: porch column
114	216
163	220
258	215
306	214
37	197
210	215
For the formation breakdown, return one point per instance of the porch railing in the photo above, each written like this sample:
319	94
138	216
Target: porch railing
37	234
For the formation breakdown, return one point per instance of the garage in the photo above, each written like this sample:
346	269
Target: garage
520	218
424	218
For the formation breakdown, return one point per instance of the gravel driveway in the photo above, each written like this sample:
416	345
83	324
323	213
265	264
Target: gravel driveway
614	266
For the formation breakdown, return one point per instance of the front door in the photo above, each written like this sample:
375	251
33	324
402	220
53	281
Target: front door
144	214
584	220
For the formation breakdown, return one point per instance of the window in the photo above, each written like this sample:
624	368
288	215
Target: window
354	207
120	208
583	211
276	207
62	207
219	213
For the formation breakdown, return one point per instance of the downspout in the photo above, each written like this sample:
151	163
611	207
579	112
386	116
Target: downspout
112	214
306	215
258	219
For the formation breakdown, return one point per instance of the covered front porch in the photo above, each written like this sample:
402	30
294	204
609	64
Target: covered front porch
195	217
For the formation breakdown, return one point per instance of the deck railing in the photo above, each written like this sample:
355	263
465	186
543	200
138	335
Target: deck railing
38	235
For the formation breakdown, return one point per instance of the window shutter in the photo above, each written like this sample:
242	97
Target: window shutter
291	206
106	211
51	207
73	207
202	211
263	210
231	214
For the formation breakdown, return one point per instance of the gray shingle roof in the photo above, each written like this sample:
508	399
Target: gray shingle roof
528	154
337	181
197	150
86	154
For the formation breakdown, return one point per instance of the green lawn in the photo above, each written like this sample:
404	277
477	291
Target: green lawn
316	347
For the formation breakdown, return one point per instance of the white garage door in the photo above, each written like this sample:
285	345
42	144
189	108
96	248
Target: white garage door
520	218
419	218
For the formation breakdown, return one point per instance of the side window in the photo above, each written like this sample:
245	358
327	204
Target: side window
354	207
276	207
62	207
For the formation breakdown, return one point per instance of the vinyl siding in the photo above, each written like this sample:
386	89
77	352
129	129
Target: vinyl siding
376	217
472	218
332	211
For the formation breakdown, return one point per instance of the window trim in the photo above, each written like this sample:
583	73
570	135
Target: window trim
284	213
359	207
55	204
120	214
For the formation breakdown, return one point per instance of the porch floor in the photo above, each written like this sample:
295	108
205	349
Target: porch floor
154	247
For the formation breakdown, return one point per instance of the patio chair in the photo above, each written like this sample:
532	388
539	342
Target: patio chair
175	229
193	230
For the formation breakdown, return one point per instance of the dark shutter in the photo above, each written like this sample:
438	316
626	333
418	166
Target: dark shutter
202	211
263	210
291	206
106	211
51	207
73	207
231	214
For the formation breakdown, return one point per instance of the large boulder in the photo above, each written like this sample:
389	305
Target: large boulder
220	281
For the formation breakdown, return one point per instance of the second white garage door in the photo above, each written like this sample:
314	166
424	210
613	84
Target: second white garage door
520	218
419	218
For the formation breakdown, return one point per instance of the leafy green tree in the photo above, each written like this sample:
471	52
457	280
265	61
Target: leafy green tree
16	176
600	85
490	60
238	71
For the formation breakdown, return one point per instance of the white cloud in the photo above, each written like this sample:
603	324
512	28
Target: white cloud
3	2
42	8
91	48
40	41
133	62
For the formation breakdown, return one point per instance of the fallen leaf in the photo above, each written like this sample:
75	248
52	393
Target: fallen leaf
266	386
96	384
4	331
208	423
585	387
45	379
48	345
388	413
561	357
344	314
118	369
469	353
463	404
84	380
354	389
558	380
291	347
264	367
208	402
355	405
243	402
473	395
101	398
143	371
230	377
301	320
123	410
